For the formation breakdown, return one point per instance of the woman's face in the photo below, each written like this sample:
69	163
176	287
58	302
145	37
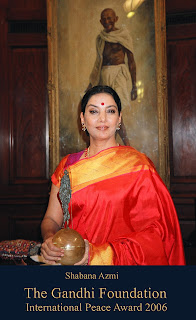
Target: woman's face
101	117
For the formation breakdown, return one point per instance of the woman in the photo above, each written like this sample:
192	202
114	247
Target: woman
120	206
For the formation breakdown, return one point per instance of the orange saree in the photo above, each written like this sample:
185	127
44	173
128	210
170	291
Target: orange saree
122	207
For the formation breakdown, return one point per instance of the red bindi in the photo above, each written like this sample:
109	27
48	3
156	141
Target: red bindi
102	103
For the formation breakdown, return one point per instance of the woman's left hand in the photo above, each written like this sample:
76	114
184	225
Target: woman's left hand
84	260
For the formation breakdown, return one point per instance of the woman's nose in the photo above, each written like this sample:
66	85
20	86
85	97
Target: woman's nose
102	116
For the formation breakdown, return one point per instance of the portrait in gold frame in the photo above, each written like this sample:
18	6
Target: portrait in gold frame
72	30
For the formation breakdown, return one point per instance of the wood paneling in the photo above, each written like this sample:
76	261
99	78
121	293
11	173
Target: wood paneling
181	50
26	9
28	113
26	4
25	227
24	140
4	109
173	6
183	100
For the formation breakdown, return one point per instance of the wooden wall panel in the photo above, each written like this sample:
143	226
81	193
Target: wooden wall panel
181	50
24	139
183	98
25	227
26	9
4	109
26	4
173	6
29	113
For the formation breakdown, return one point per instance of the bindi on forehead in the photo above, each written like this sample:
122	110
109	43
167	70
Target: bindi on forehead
102	103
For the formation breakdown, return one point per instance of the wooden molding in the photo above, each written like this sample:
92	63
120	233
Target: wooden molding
162	99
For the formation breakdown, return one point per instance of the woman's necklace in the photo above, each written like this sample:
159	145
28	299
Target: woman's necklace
87	152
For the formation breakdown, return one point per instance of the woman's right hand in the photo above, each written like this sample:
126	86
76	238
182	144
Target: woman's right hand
50	253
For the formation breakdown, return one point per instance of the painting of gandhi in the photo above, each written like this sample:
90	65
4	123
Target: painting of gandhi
113	49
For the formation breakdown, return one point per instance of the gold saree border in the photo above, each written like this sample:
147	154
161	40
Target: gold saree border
59	172
107	164
100	255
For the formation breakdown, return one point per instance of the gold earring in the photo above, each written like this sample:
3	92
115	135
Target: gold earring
118	128
83	127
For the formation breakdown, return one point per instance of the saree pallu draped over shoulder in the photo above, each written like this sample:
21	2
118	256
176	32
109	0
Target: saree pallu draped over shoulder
122	207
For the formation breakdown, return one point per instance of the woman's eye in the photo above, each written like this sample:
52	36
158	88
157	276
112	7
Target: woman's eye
111	111
93	111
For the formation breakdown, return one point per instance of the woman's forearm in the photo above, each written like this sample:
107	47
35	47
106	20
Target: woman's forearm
48	228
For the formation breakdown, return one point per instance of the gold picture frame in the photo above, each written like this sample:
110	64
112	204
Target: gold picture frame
55	88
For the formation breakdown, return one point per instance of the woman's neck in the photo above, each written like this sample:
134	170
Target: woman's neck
96	147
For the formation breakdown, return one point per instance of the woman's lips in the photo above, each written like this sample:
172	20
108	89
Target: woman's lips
102	128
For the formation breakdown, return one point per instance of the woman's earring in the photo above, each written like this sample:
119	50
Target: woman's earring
83	127
118	128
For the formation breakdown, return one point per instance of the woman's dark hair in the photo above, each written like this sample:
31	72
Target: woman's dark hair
100	89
